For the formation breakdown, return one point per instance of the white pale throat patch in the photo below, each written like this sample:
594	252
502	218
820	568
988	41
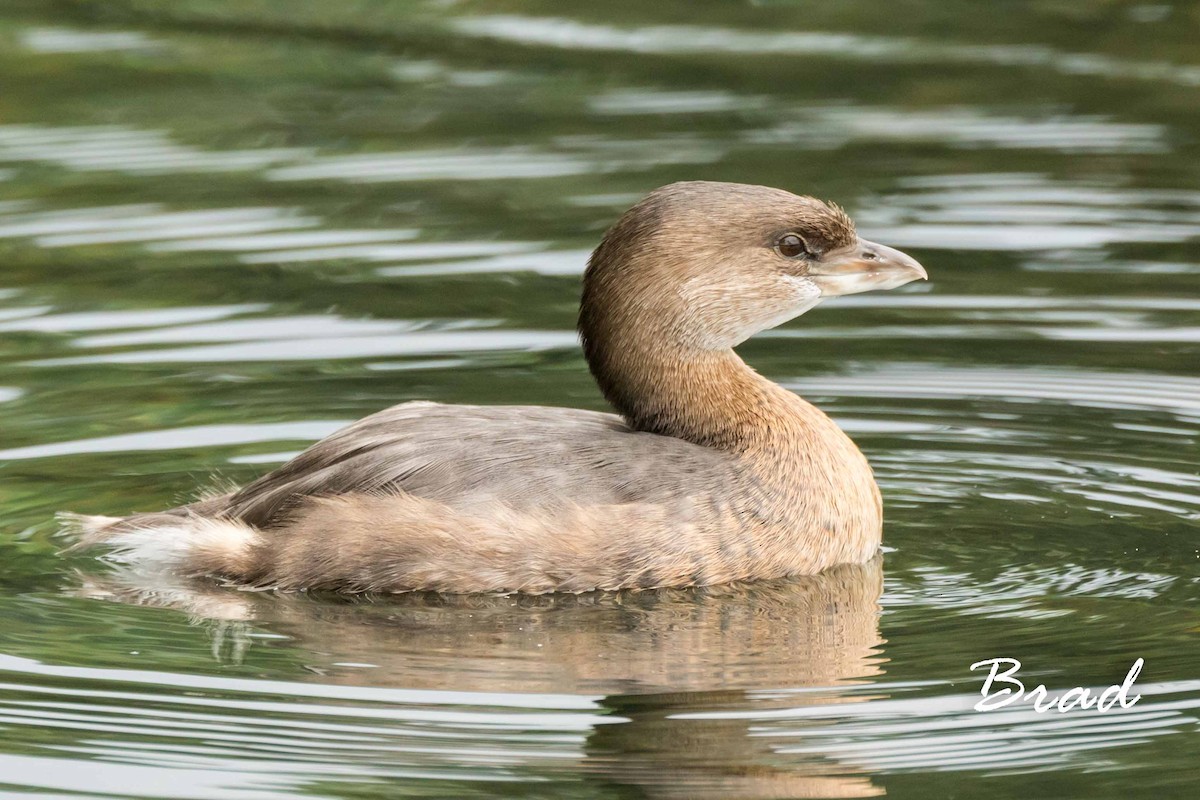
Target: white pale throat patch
722	315
806	295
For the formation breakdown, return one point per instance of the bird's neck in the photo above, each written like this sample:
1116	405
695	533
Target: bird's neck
709	397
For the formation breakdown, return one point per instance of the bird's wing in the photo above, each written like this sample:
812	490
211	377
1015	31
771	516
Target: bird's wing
471	456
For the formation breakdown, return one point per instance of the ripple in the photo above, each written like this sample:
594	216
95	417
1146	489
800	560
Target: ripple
184	224
618	201
1004	304
348	347
181	438
1025	237
254	738
836	126
945	733
148	152
437	165
568	34
1092	389
47	222
933	476
1023	212
1020	591
266	458
256	688
285	241
144	222
553	262
1035	442
794	733
925	332
257	235
388	252
426	72
71	40
260	329
621	102
1188	335
101	779
8	314
104	148
38	320
1078	262
476	671
1058	472
575	156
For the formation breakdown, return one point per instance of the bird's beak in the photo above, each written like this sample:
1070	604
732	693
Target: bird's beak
863	267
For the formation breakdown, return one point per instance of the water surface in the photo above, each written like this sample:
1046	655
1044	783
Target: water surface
227	228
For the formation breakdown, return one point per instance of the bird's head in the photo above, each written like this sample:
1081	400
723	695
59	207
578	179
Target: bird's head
707	265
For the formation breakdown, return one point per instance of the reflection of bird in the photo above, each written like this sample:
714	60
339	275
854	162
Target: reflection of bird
711	474
675	747
661	660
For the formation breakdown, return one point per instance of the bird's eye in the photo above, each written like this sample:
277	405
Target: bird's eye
790	245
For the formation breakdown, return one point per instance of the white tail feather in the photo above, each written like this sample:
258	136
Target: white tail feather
83	527
178	546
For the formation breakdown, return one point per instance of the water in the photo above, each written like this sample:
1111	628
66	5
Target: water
226	228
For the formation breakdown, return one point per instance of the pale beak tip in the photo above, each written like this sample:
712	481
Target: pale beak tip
905	261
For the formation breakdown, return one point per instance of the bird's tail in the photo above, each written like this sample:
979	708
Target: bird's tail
178	542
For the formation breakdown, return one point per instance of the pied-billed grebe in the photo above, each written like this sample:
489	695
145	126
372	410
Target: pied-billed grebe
711	474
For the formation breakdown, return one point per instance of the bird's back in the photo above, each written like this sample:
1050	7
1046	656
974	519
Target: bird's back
473	457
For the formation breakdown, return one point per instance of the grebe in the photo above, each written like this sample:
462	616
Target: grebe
710	474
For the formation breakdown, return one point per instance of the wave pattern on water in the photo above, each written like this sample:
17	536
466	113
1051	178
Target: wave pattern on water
254	739
73	40
1027	212
1177	394
181	438
229	228
1112	488
254	235
307	348
149	152
945	733
574	156
121	149
688	39
837	126
144	222
1020	591
39	319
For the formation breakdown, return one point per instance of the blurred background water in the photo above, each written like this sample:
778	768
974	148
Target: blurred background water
229	226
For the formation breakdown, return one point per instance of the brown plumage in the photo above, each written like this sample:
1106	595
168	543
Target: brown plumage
711	474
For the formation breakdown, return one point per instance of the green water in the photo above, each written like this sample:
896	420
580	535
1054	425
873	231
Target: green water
226	227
